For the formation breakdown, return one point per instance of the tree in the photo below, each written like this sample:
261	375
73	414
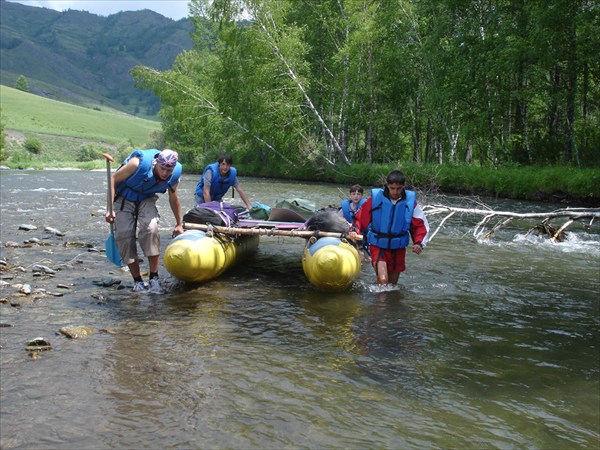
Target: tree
439	81
22	84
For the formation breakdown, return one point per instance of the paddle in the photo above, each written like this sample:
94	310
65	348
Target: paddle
112	251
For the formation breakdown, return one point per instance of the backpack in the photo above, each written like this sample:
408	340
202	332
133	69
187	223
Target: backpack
212	213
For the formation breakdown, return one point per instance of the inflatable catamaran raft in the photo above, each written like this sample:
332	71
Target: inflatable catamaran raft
206	250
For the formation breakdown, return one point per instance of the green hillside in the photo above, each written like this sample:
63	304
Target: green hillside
26	112
83	58
67	134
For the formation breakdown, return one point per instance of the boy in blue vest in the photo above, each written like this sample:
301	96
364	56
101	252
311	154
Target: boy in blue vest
350	207
394	217
143	175
216	180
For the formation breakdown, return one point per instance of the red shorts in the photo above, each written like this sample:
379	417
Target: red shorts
395	259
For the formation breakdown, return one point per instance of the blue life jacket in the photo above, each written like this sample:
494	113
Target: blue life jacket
142	184
390	224
350	215
218	185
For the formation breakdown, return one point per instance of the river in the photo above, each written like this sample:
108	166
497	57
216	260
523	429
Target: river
483	344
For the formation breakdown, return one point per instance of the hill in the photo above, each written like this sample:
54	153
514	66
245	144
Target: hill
66	131
84	59
29	113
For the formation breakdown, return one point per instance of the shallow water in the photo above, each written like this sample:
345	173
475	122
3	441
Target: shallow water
482	344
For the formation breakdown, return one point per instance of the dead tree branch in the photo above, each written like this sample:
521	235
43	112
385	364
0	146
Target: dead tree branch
571	214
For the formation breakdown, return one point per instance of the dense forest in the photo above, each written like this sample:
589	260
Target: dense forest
483	82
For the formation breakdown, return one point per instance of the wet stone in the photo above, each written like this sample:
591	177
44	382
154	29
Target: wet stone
25	289
43	269
77	245
17	303
106	282
38	344
54	231
27	227
76	332
107	331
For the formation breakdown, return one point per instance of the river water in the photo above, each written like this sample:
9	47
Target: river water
481	345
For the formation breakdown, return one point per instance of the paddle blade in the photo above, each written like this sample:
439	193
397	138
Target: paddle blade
112	251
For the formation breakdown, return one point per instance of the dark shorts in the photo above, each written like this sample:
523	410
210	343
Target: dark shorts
395	259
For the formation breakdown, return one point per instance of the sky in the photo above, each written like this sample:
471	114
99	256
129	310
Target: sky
174	9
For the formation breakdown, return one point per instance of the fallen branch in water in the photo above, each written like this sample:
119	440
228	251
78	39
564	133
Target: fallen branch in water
557	235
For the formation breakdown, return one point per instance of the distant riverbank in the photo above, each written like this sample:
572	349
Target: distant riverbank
567	185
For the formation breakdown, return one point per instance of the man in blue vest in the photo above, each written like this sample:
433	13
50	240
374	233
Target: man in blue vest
143	175
394	217
216	180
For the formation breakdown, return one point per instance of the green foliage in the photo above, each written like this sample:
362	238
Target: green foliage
89	152
20	159
22	84
122	151
374	82
33	145
157	140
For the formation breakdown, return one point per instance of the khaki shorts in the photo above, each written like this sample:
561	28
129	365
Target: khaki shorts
143	220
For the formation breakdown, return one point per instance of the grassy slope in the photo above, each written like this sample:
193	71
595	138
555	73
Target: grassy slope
30	113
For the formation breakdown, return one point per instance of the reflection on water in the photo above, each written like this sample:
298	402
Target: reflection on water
482	344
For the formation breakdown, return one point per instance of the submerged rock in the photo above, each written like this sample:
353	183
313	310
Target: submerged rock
25	289
54	231
69	244
76	332
106	282
38	344
43	269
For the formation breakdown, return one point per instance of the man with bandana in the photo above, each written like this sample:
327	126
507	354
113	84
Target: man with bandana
143	175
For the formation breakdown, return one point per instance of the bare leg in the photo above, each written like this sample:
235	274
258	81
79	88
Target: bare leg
393	277
153	263
134	269
381	271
